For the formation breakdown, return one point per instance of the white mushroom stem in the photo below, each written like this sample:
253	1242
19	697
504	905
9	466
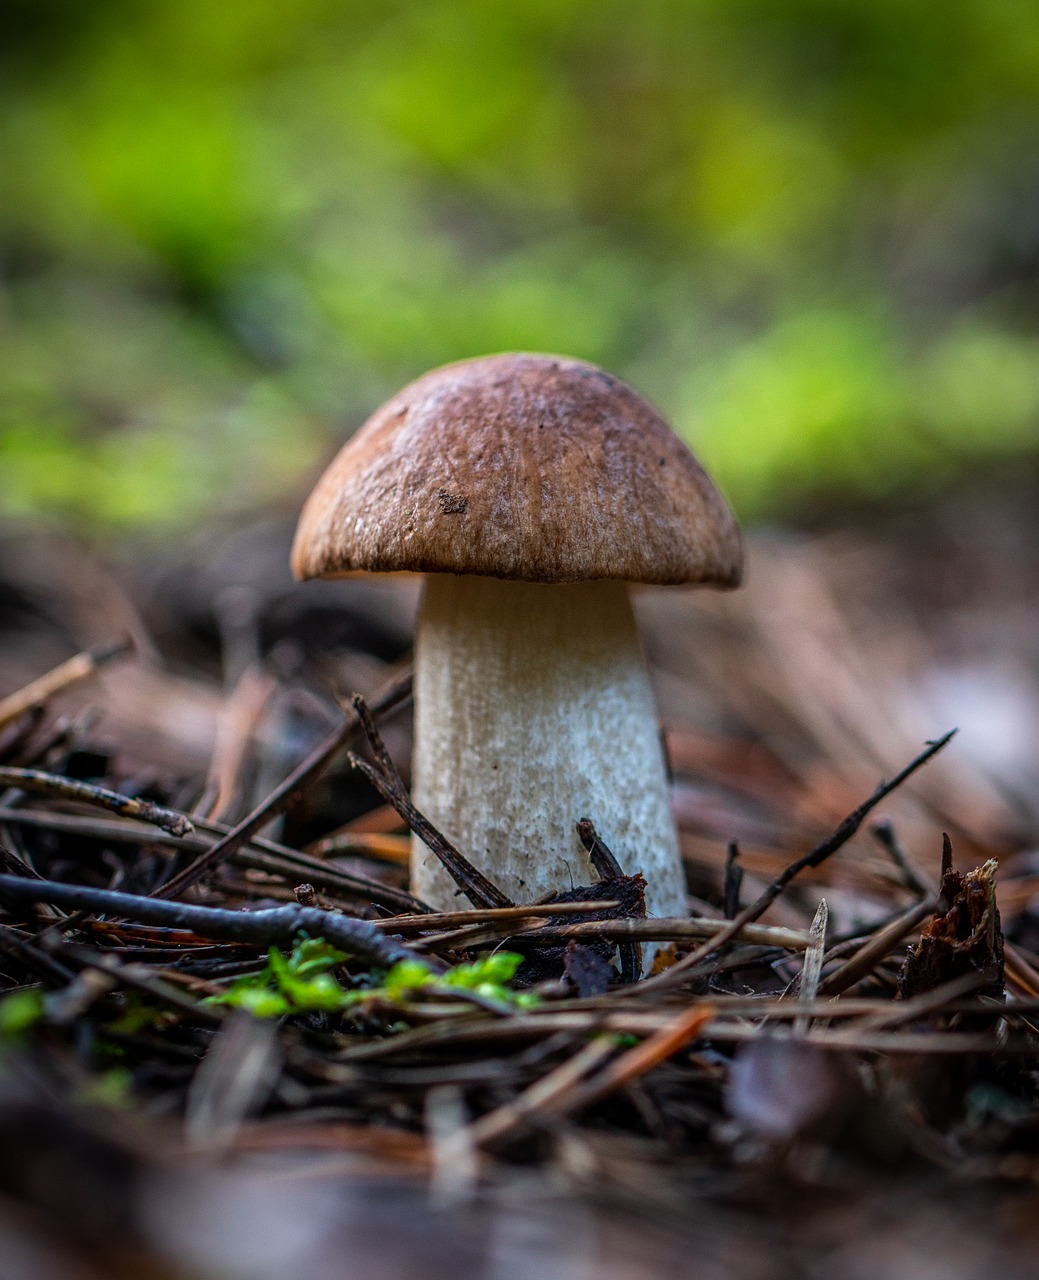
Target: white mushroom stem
533	709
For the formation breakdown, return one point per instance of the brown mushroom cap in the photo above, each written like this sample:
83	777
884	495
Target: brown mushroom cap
529	467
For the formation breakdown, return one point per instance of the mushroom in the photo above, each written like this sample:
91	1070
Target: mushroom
532	489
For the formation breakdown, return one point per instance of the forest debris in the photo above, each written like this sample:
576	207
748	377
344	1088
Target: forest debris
258	852
806	985
883	831
573	1086
963	936
667	1040
875	949
366	1083
733	881
387	781
589	972
494	915
275	804
543	1098
825	849
233	1080
243	713
672	929
68	673
283	796
606	866
277	925
383	847
71	789
624	904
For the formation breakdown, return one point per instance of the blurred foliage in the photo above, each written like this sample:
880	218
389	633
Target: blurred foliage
20	1011
808	229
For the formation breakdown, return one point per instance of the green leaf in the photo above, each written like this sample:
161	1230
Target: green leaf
255	998
404	978
495	970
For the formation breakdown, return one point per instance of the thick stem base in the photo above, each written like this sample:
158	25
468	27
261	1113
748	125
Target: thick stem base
533	709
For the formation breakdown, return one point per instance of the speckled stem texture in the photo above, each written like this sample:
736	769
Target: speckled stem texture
534	709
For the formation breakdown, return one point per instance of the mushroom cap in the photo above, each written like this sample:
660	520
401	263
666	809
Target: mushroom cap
531	467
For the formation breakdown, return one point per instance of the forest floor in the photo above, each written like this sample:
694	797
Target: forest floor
836	1078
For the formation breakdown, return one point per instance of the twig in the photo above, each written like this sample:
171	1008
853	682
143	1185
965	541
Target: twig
836	840
43	965
747	957
387	781
630	1021
807	984
542	1097
60	677
607	867
240	720
630	1066
489	915
330	878
16	865
861	1009
263	854
600	855
469	937
143	978
909	1042
883	831
870	954
897	1012
1020	969
52	784
946	856
674	929
395	849
276	803
282	797
17	733
733	881
277	925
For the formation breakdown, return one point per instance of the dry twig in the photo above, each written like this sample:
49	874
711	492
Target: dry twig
387	781
50	784
814	858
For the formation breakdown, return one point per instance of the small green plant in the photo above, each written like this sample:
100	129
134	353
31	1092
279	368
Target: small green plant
20	1012
301	982
488	978
297	983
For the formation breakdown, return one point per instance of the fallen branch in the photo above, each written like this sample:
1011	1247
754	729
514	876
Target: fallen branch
275	926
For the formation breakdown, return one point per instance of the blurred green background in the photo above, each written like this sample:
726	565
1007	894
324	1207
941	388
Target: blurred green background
809	229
